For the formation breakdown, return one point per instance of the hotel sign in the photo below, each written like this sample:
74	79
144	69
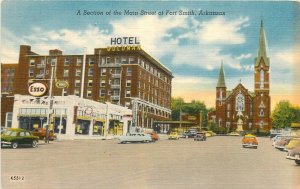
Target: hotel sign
37	89
124	44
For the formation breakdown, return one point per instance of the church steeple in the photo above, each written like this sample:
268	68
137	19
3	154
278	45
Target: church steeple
262	48
221	81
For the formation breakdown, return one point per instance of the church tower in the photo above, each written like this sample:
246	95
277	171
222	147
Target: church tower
220	98
262	101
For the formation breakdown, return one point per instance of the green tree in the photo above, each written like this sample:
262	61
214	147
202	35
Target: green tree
284	114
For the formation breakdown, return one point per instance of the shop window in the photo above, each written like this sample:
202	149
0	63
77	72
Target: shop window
82	127
97	127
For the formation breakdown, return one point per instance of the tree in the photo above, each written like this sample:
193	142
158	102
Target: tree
284	114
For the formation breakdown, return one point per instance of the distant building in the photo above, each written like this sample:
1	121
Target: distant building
240	109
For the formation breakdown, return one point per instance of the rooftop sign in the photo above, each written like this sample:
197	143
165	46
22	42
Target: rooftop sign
124	44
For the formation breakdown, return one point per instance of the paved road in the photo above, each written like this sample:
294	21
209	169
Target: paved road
218	163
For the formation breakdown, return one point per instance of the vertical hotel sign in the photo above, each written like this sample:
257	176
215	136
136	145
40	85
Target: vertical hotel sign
124	44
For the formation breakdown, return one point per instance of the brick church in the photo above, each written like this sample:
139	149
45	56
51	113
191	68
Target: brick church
243	110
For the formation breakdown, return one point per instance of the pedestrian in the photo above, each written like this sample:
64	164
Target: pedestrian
47	134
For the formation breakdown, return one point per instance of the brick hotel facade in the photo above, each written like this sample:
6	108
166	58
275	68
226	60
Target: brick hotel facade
241	109
120	75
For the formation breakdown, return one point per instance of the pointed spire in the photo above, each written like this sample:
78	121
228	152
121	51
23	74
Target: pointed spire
262	46
221	81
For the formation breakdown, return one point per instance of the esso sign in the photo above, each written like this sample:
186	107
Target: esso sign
37	89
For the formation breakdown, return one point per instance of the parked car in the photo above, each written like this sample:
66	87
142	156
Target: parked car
200	136
281	143
17	137
249	140
41	133
154	136
294	155
210	133
135	137
173	136
294	142
189	134
276	138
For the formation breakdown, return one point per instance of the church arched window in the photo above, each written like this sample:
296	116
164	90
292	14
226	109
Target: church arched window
262	75
240	102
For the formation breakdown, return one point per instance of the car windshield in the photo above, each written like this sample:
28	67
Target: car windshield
173	133
10	133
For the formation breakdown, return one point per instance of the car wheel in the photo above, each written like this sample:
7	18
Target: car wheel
297	162
186	136
34	144
14	145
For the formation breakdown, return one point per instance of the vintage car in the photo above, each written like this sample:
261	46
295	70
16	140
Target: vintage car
173	136
201	136
135	137
189	134
249	140
17	137
294	155
41	133
294	142
154	135
233	134
210	133
281	143
276	138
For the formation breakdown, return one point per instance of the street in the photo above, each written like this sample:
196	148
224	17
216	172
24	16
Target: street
220	162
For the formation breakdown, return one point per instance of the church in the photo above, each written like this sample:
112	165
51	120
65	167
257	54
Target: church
243	110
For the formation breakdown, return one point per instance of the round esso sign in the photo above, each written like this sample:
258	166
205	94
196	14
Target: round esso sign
37	89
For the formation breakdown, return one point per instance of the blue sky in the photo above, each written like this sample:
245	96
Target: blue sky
192	47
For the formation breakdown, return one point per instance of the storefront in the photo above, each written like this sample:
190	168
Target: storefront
73	117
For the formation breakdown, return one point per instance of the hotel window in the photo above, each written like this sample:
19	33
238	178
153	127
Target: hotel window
102	83
127	93
227	124
31	73
129	71
131	60
89	93
103	71
124	60
31	62
109	92
91	61
147	67
108	60
67	62
228	114
261	112
151	69
76	92
53	61
141	72
250	125
91	72
220	122
66	73
155	72
79	61
142	63
149	79
128	82
77	83
43	61
102	92
156	83
90	83
109	81
78	72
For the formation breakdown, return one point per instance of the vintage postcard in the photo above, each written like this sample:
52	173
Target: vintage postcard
150	94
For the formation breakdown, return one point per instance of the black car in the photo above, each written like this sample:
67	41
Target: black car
189	134
17	137
200	136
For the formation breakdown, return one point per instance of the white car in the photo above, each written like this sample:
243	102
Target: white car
135	137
